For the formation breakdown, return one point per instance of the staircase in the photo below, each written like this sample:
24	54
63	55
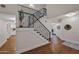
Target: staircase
31	32
31	20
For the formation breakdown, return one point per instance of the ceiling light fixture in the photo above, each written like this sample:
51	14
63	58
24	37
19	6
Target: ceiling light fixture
70	14
3	5
12	18
31	5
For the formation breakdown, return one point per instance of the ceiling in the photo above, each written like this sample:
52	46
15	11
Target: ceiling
12	8
55	10
35	6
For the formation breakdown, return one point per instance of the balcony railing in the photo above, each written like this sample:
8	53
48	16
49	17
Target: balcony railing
31	20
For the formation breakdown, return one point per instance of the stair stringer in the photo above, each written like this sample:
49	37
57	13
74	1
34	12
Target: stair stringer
28	40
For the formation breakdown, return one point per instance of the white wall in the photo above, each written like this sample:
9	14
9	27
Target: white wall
55	10
46	22
27	40
5	30
70	35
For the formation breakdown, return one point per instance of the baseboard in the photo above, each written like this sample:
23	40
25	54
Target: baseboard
71	45
3	43
5	40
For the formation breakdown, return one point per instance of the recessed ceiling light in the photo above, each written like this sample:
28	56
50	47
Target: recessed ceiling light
3	5
12	18
31	5
70	14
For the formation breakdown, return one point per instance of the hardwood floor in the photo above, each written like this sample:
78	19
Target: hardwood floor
9	47
46	49
68	50
62	49
59	48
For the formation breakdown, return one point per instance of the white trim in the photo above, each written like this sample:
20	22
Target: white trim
3	43
72	45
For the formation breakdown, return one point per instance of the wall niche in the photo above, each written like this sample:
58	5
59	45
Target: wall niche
67	27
